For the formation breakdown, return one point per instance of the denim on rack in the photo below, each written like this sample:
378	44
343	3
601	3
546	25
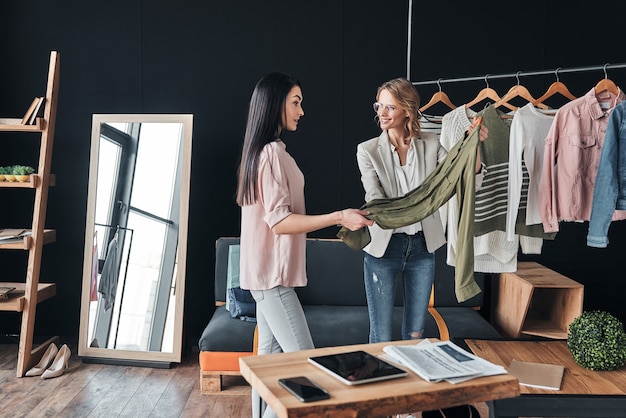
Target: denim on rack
609	193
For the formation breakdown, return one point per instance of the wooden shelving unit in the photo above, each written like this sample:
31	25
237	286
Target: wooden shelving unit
535	301
30	291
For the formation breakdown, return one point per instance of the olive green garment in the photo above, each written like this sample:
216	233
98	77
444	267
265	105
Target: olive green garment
455	175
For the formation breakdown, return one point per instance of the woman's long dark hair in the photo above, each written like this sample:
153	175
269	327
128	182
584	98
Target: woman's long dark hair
264	124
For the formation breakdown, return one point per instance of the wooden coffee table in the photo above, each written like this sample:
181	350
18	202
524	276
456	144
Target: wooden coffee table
583	393
377	399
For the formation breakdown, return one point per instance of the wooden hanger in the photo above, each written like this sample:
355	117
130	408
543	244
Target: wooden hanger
439	96
606	84
557	87
487	93
518	91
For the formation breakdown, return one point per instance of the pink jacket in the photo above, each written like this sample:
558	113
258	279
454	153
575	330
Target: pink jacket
571	157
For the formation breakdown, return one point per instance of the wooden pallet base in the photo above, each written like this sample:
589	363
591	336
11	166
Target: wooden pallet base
222	383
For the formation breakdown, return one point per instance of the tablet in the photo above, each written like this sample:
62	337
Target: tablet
357	367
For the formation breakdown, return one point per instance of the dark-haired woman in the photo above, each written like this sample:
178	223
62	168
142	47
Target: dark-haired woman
274	222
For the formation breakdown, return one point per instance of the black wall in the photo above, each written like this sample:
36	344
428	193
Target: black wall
204	58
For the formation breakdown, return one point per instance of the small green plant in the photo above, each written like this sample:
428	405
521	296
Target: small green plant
4	170
22	170
597	341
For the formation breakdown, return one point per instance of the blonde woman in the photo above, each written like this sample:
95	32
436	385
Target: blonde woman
391	165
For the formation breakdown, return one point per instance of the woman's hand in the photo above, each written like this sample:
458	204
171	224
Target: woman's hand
354	219
482	135
484	131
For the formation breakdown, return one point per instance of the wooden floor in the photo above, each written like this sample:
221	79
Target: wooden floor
96	390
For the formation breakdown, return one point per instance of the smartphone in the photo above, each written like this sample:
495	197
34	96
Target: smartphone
304	389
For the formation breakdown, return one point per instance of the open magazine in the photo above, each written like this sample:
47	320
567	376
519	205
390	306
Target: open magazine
443	360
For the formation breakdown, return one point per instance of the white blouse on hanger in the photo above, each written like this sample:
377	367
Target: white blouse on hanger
529	129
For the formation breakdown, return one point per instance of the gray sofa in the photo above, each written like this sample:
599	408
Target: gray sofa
335	305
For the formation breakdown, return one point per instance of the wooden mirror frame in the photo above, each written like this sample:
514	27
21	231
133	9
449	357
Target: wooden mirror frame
124	356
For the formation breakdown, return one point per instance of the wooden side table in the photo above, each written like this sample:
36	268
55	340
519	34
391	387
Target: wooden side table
535	301
377	399
583	393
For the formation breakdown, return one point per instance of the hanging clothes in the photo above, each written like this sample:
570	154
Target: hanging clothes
492	252
529	129
609	193
110	275
454	124
429	123
455	175
571	159
491	199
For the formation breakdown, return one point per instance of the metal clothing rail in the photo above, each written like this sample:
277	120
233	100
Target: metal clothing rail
408	43
518	74
485	77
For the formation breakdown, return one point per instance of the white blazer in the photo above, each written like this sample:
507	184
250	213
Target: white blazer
375	160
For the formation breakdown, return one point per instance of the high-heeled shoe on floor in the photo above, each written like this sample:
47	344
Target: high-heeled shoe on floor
59	364
46	359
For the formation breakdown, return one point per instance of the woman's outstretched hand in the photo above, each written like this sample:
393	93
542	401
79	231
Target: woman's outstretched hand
355	219
484	132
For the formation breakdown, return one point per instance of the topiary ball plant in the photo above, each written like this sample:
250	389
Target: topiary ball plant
597	341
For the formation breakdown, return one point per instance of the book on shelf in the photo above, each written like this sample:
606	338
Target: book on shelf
30	110
537	375
435	362
33	115
13	234
4	291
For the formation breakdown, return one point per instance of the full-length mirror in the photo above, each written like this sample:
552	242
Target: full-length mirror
136	239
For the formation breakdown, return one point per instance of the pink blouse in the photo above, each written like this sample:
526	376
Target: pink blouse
268	260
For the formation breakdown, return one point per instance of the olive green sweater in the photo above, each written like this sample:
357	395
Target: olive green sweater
455	175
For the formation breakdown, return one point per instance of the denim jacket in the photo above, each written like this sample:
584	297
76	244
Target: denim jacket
609	192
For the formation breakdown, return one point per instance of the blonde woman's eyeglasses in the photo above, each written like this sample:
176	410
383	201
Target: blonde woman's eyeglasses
380	108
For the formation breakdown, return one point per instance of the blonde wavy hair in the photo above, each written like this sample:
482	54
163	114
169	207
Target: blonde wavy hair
409	100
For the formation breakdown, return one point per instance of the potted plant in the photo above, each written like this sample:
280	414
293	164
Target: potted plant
22	172
3	171
8	175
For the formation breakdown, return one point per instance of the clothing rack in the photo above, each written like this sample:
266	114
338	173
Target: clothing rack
123	275
518	74
117	227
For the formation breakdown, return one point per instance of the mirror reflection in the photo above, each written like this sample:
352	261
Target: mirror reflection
133	281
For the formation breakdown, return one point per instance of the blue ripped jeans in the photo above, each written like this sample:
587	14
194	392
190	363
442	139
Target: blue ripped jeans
406	257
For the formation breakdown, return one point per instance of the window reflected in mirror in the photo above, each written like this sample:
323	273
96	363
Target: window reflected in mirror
135	236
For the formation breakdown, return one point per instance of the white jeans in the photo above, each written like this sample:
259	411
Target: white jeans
282	327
